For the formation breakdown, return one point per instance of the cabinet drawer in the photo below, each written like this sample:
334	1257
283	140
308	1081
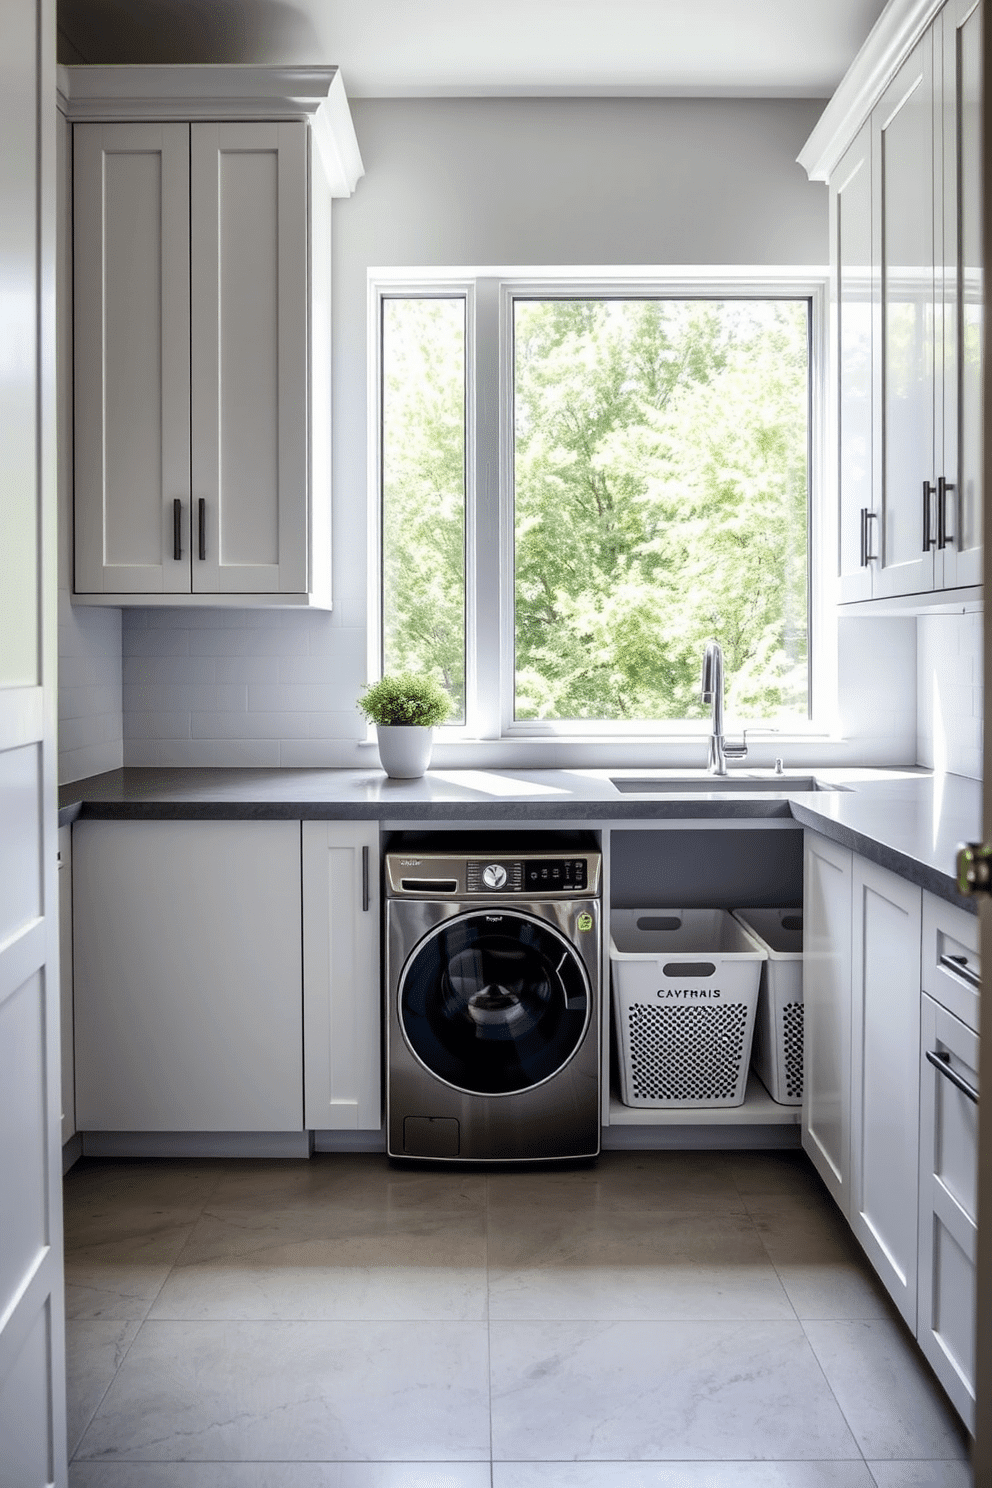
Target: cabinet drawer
948	1204
951	961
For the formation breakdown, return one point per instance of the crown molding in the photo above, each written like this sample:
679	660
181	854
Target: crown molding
890	40
136	94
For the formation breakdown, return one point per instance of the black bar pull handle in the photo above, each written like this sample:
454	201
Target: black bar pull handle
202	522
864	537
870	557
366	895
929	541
959	966
942	1063
944	538
177	529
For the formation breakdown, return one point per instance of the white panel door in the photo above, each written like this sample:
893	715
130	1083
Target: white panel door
903	170
32	1311
851	232
249	357
188	976
959	43
342	997
826	1129
948	1202
131	358
885	1104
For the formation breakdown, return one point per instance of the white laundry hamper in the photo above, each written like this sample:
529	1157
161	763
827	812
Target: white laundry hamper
778	1032
685	991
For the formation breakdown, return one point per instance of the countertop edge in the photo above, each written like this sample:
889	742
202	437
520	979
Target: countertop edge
77	804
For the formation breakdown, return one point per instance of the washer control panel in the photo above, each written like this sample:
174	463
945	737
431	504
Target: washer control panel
450	875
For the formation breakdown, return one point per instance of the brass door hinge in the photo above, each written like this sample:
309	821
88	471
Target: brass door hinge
974	868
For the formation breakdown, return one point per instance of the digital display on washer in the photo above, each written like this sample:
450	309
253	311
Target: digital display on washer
555	874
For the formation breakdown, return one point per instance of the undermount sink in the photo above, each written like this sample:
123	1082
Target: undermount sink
768	785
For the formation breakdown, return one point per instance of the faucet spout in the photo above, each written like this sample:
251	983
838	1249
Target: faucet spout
711	686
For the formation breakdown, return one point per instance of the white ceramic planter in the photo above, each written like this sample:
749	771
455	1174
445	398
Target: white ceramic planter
404	750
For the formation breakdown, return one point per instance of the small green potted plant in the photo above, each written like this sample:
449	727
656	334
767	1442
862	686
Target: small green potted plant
405	709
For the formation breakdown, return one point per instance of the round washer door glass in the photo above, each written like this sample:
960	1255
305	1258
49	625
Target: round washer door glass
494	1003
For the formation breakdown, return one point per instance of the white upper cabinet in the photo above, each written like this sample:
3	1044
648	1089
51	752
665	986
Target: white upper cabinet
905	475
131	354
201	251
853	304
900	147
958	45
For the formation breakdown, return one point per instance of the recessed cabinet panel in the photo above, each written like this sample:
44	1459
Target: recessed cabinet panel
188	976
959	555
885	1068
904	151
131	394
851	202
249	357
342	1022
826	1129
948	1203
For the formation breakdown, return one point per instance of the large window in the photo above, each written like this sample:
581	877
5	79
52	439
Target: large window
577	495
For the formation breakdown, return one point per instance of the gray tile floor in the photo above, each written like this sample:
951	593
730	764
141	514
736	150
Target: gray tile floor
663	1320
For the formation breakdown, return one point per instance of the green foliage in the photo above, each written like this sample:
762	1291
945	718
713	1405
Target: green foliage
660	500
405	699
423	499
660	490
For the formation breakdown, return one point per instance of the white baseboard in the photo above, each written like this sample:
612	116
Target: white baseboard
663	1138
197	1144
349	1141
72	1151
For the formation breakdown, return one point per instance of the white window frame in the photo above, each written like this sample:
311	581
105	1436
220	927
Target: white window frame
489	495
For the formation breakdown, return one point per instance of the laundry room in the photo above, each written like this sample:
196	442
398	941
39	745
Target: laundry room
514	557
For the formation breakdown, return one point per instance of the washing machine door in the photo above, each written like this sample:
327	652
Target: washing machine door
494	1003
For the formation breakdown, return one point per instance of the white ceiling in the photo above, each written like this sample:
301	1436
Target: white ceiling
452	48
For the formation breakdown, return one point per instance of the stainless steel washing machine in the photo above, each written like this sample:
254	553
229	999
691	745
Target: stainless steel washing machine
493	1004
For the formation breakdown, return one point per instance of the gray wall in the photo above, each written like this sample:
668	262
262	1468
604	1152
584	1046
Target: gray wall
484	183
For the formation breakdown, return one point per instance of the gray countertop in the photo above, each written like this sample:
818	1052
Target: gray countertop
906	820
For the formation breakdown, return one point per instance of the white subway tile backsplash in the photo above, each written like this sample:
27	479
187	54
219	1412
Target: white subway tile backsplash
155	725
301	698
950	693
249	725
91	737
180	696
138	641
246	668
150	671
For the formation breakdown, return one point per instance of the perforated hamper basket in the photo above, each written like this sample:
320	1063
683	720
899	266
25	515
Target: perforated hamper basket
777	1054
685	990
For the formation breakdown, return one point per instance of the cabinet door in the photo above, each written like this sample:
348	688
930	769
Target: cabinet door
131	357
851	228
885	1105
188	976
342	1001
948	1205
902	167
959	46
826	1131
249	358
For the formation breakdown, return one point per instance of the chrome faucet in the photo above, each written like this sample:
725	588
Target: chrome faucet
712	689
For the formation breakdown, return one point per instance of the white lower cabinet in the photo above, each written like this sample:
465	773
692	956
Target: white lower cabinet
188	976
342	1003
885	1091
949	1149
826	1127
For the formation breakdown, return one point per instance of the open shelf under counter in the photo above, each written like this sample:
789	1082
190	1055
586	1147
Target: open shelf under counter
758	1110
